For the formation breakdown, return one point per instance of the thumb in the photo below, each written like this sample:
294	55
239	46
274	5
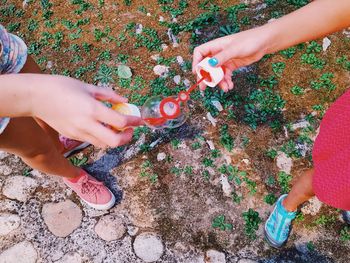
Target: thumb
106	94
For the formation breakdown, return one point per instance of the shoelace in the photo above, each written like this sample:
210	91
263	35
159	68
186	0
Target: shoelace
90	186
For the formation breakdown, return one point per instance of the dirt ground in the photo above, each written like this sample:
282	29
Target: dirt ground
173	183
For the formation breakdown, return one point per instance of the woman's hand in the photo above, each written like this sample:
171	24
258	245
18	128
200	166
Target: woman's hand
75	110
233	52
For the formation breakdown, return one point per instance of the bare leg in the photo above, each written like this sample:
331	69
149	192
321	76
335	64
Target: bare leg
32	67
25	138
301	191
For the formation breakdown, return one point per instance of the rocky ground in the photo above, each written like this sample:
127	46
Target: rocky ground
181	193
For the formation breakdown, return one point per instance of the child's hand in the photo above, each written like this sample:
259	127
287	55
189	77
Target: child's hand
232	52
73	108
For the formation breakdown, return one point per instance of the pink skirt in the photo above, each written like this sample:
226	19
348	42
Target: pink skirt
331	155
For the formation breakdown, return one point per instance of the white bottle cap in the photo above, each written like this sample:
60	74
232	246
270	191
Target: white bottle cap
216	73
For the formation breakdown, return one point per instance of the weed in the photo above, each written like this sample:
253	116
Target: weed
325	220
270	199
278	68
27	171
225	138
289	52
78	161
206	175
196	145
146	171
252	221
345	234
284	179
219	222
296	90
272	153
236	198
324	82
207	162
104	74
148	38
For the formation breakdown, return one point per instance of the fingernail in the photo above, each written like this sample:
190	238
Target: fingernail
213	62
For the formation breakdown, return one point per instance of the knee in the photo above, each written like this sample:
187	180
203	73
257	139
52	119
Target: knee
40	153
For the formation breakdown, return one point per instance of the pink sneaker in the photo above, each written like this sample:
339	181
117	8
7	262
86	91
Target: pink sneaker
71	146
93	192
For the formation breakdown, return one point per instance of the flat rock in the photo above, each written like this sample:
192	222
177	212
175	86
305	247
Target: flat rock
284	163
214	256
161	70
177	79
326	43
226	187
161	156
8	222
312	207
23	252
5	170
148	246
71	257
212	120
3	155
110	228
62	218
19	187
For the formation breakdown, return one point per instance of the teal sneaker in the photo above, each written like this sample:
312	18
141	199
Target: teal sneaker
346	216
277	226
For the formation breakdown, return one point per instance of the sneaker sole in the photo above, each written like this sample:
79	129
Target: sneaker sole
106	206
270	242
76	149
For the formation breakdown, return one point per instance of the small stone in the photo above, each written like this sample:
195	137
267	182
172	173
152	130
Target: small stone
197	32
227	158
25	4
23	252
155	57
313	207
3	155
161	19
138	29
62	218
148	246
161	156
174	20
187	83
133	230
148	14
246	260
110	228
300	125
326	43
211	119
177	79
5	170
49	64
71	257
226	187
214	256
284	163
164	47
19	187
161	70
210	144
8	222
180	60
246	161
217	105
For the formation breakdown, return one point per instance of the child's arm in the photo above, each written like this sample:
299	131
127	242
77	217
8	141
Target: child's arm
69	106
315	20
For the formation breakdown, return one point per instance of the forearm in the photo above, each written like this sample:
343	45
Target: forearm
317	19
16	94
